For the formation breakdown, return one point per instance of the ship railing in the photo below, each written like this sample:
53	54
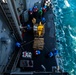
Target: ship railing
16	61
57	57
37	73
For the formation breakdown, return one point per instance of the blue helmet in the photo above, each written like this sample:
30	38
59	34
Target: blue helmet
45	7
56	52
28	25
35	6
41	8
50	54
43	18
30	9
38	52
18	44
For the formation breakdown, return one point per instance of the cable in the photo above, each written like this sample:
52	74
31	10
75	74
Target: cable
28	43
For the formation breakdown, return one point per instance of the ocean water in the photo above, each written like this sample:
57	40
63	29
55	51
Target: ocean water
65	22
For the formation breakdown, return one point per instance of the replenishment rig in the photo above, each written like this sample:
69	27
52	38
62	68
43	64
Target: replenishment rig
35	50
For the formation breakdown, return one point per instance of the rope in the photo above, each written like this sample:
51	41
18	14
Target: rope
28	42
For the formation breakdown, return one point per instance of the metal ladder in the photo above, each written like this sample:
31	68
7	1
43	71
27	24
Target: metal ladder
6	11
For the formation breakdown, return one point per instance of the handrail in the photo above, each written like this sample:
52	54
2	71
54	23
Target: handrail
16	61
15	11
34	72
9	62
58	58
18	22
9	24
10	27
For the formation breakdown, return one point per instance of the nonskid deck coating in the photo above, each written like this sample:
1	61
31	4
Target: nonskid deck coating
49	39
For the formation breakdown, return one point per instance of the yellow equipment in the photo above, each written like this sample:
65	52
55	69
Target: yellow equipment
40	29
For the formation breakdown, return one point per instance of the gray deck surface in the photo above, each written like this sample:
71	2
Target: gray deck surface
49	45
49	39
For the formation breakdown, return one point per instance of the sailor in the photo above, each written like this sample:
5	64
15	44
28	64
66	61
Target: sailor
50	54
34	21
35	11
18	44
21	19
44	2
28	27
37	52
44	10
30	12
43	20
47	3
22	28
55	52
40	13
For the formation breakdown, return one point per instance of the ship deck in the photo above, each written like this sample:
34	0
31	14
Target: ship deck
49	40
